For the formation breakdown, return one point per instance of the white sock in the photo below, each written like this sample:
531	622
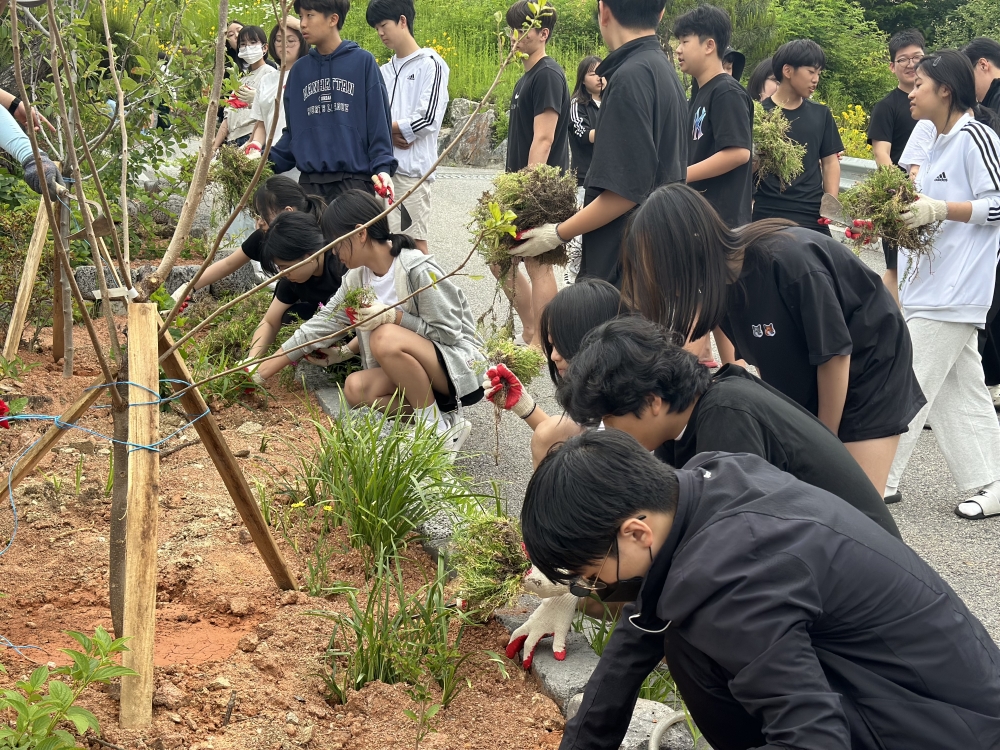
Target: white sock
889	491
432	415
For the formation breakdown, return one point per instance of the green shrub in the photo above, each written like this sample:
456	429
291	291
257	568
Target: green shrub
967	21
489	563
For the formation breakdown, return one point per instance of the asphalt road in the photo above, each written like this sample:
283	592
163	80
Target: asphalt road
965	553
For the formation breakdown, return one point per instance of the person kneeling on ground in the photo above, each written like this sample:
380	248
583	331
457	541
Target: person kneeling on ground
562	325
786	619
631	375
426	349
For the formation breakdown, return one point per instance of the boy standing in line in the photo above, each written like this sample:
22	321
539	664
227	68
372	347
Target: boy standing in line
337	126
417	81
640	144
891	124
538	134
984	54
797	67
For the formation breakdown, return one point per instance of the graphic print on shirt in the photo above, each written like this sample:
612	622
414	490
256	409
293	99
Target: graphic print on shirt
324	87
758	331
699	120
769	329
941	178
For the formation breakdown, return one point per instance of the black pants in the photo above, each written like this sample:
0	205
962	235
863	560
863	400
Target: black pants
330	191
989	338
704	686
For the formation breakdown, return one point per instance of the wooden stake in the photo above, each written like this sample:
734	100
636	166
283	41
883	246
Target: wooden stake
225	462
54	434
27	284
143	493
67	292
58	334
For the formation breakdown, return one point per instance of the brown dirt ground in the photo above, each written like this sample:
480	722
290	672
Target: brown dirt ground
219	614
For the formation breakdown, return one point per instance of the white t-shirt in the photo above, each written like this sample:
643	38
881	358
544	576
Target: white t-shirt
384	286
241	120
919	145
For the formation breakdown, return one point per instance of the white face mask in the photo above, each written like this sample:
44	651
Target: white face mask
252	53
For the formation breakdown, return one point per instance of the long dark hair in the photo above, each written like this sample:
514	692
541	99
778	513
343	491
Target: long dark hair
358	207
278	192
253	34
676	257
572	314
272	43
763	71
580	93
291	237
952	69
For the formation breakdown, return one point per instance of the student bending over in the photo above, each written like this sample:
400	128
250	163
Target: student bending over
786	620
563	324
426	348
801	307
276	194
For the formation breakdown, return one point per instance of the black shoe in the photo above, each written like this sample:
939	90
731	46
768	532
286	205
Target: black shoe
895	497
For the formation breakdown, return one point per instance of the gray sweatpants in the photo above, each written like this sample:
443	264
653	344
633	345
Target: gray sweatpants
959	409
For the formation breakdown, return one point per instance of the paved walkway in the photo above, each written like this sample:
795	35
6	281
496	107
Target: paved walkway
966	553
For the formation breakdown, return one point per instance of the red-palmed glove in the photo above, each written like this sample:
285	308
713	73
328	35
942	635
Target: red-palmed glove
384	187
518	400
554	617
253	150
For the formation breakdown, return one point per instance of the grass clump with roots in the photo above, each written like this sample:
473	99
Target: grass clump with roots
774	151
533	196
489	562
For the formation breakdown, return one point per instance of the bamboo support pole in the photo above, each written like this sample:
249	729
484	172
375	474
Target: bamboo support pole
27	284
143	495
225	462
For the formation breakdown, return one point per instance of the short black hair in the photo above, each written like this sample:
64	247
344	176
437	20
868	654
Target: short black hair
572	313
580	495
799	53
621	364
982	47
519	14
252	34
903	39
707	22
326	7
763	70
291	237
390	10
636	14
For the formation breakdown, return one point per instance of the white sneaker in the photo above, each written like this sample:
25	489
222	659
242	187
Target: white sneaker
457	434
995	395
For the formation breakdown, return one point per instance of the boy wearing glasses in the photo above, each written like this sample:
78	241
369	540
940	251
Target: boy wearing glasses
891	124
786	620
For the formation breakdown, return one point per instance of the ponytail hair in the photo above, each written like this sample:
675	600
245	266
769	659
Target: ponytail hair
291	237
278	192
359	207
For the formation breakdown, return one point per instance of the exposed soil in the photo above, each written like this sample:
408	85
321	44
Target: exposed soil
222	624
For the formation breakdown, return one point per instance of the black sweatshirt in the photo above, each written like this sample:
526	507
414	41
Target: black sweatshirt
833	633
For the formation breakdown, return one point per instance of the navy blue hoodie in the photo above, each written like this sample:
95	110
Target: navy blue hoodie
336	115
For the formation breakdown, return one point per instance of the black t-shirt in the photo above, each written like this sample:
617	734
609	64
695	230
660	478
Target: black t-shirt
640	144
741	414
891	121
317	289
992	98
541	88
582	119
802	299
721	116
253	245
812	125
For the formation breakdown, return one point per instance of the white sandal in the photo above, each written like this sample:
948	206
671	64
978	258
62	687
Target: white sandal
983	504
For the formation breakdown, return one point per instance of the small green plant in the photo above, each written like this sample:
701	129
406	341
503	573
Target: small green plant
78	479
53	480
109	484
488	562
15	367
355	299
264	439
774	151
40	704
522	200
523	361
232	171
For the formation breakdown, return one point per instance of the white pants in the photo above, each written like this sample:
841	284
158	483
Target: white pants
959	409
418	206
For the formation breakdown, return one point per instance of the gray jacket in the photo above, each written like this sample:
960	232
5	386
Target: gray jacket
440	314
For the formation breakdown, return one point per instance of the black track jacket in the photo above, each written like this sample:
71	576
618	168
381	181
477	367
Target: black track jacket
835	634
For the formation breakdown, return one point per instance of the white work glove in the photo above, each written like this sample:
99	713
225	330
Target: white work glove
384	187
375	315
253	150
49	172
554	617
179	298
537	241
246	94
518	400
925	211
331	355
252	370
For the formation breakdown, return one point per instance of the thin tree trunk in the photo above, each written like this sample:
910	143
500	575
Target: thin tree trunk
67	295
119	506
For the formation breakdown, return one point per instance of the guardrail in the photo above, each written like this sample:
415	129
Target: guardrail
854	170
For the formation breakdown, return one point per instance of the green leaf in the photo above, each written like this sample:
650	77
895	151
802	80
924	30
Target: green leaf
476	277
434	276
82	719
61	693
431	711
410	715
112	671
38	677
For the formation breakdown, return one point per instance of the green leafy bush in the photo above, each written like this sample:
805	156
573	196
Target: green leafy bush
775	152
967	21
489	563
